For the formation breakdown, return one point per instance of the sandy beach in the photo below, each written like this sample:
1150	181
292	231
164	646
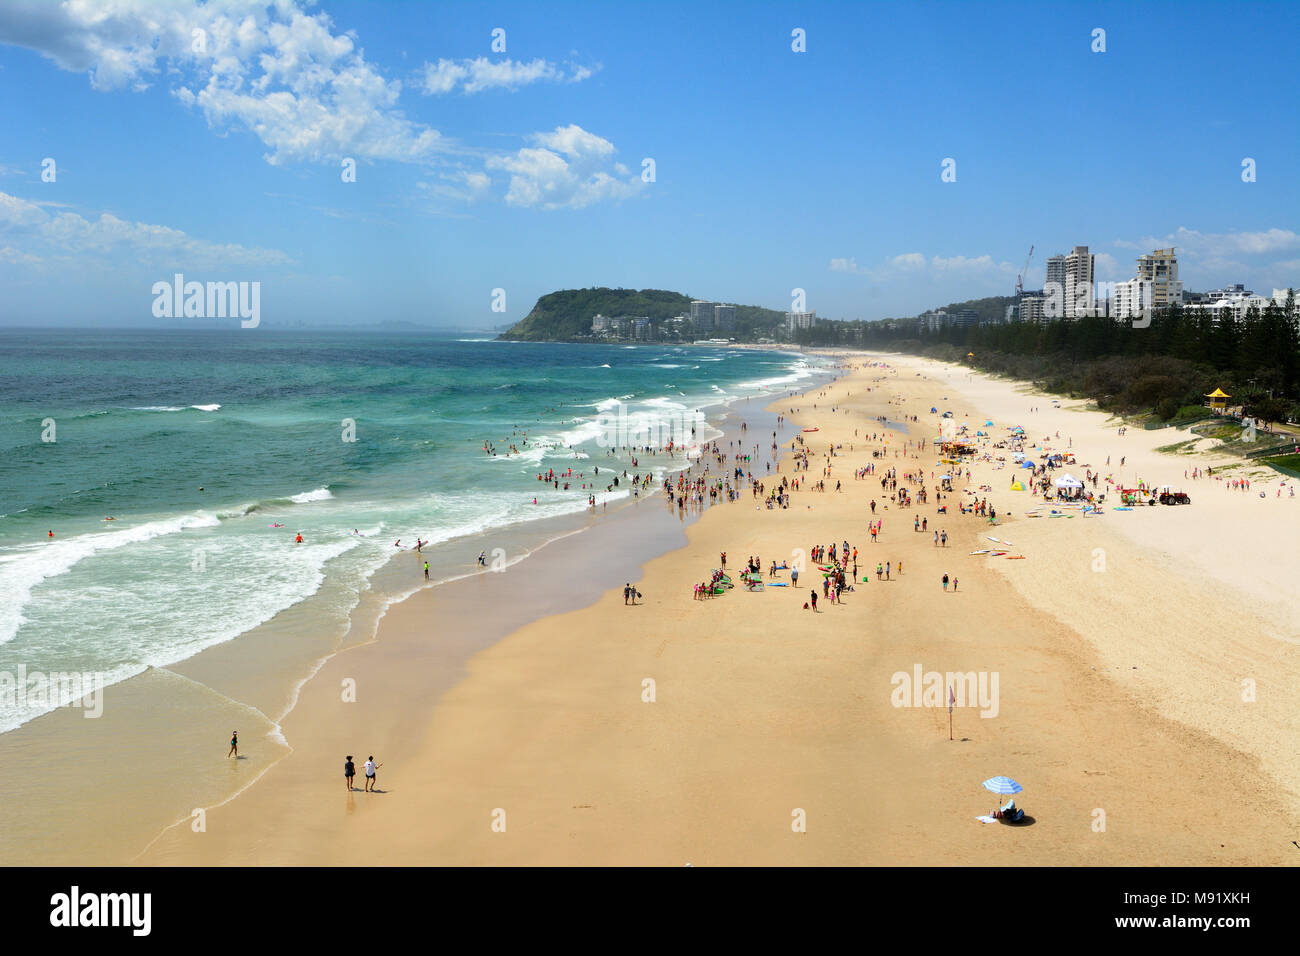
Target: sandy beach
1145	663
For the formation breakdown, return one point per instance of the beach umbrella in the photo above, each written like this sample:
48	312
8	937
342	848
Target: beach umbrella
1003	785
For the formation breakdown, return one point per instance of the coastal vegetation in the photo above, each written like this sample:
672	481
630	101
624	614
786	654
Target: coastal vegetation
1163	370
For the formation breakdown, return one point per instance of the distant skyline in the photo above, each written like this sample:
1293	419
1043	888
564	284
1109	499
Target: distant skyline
213	139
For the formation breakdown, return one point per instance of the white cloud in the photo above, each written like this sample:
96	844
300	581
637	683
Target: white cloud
305	91
67	233
1106	266
914	264
540	176
462	185
10	254
481	73
1193	243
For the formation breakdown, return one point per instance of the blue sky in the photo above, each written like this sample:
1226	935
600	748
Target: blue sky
522	170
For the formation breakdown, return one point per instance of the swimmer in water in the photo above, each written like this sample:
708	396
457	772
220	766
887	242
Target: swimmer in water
298	540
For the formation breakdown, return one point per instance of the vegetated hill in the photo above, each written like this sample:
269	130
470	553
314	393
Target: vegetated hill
991	309
566	316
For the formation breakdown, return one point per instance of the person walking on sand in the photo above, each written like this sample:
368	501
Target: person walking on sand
426	570
954	585
936	539
482	558
349	771
370	768
943	537
794	576
814	599
945	582
234	744
627	592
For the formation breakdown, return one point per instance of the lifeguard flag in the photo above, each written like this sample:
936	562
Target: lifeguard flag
952	698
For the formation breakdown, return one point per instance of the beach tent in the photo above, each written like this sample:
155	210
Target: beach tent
1067	480
1017	486
1026	464
932	408
988	423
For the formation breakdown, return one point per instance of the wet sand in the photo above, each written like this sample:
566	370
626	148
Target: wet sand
1121	706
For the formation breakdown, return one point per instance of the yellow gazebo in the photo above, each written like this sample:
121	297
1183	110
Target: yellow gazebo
1218	400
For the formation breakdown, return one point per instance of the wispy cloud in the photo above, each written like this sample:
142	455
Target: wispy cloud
915	265
27	229
481	73
1193	243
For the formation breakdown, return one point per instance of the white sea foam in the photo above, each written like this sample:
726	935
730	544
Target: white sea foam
320	494
28	567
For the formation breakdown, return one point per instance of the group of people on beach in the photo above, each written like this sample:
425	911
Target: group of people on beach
370	767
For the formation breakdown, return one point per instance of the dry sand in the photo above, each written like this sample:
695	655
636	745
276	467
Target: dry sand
1121	706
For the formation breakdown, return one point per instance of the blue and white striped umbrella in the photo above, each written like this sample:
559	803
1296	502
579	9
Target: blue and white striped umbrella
1002	785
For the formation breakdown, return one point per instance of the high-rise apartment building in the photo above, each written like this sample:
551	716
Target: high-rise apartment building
702	316
799	320
724	318
1155	286
1079	300
1068	290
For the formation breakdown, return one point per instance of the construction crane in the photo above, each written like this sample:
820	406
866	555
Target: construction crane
1020	279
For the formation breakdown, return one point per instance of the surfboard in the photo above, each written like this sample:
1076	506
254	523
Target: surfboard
984	551
778	584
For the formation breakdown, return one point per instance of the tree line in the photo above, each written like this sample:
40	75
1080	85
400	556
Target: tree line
1166	367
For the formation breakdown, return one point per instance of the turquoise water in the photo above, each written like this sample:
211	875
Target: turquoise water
200	443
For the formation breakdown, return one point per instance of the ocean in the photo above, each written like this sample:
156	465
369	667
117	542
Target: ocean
213	450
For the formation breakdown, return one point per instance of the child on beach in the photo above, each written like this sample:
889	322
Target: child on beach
371	767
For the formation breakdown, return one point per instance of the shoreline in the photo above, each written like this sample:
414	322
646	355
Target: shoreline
441	775
537	726
259	700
